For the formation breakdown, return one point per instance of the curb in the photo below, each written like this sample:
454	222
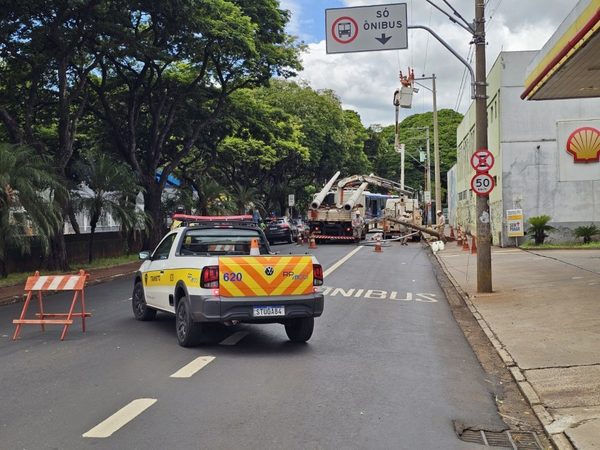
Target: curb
559	440
101	279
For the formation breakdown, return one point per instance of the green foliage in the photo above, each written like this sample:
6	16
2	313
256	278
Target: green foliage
538	225
413	134
586	232
108	187
27	208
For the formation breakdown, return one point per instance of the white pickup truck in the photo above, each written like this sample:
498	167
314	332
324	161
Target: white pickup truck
207	273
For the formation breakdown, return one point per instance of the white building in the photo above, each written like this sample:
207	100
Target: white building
547	156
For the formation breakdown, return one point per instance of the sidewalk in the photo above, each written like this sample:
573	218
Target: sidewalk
543	318
11	294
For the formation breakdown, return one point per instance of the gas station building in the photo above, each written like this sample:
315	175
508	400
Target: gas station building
544	132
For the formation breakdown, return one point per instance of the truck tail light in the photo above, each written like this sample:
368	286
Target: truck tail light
210	277
285	225
317	275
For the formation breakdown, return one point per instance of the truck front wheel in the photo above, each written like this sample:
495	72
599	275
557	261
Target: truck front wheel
300	330
141	310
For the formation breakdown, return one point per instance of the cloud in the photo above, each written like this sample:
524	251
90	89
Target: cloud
365	82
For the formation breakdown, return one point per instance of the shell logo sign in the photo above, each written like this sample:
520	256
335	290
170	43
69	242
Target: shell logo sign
584	145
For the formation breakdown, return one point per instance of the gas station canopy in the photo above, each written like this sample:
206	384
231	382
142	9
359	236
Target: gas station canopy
568	66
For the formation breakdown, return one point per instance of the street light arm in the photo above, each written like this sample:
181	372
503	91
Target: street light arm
451	50
457	14
452	19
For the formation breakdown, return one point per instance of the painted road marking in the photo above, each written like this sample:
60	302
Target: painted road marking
190	369
234	338
341	261
380	294
121	418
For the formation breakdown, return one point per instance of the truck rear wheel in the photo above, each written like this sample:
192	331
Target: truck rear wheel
188	331
300	330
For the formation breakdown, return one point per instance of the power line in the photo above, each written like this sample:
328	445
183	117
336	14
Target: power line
463	81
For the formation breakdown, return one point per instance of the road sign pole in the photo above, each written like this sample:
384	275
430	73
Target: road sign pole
484	251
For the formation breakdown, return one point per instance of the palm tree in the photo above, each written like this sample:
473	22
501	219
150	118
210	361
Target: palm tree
243	196
538	225
27	185
106	184
586	232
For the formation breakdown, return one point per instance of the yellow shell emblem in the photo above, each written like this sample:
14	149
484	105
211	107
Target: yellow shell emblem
584	144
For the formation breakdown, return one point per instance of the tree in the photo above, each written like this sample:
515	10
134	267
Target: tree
167	70
538	225
26	206
413	135
106	186
45	48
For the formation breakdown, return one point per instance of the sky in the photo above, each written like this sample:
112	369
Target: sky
365	82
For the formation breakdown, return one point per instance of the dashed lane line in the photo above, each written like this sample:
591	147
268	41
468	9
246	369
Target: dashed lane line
341	261
121	418
190	369
234	338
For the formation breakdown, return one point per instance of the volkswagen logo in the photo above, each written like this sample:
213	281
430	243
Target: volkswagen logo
269	271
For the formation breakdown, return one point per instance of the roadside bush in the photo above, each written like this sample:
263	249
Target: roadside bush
586	232
538	225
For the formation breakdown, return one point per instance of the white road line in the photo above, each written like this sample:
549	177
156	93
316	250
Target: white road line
234	338
120	418
193	367
341	261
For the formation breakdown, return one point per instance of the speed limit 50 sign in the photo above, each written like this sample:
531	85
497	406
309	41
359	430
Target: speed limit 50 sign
482	183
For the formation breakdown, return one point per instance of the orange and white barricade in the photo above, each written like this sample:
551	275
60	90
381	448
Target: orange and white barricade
38	284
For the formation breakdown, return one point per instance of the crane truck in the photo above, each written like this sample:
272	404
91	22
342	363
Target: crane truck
330	215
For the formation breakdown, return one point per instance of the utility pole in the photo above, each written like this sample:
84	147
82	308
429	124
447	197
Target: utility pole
436	145
436	152
484	251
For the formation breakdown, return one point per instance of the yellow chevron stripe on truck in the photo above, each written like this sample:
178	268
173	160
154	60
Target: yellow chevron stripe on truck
258	276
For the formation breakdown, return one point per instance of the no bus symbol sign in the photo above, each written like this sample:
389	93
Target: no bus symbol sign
344	30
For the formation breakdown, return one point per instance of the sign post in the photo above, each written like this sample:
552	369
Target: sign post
366	28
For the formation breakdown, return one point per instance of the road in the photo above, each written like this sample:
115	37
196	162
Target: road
387	367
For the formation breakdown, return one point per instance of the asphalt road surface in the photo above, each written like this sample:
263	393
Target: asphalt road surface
387	368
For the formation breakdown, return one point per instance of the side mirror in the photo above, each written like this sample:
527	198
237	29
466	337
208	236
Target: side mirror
144	255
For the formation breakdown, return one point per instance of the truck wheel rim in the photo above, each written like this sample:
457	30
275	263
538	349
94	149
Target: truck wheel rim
138	303
181	326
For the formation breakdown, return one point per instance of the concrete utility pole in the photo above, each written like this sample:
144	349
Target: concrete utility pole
484	252
436	152
436	145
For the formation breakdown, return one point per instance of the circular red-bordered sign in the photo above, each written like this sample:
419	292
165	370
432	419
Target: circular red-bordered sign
482	183
342	27
482	160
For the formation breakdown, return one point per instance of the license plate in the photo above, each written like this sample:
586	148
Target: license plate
269	311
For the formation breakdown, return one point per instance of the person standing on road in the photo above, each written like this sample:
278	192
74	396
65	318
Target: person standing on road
256	217
441	223
357	226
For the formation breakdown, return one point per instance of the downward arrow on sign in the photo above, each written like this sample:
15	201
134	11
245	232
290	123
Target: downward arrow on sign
383	39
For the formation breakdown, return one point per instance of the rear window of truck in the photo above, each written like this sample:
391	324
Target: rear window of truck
220	241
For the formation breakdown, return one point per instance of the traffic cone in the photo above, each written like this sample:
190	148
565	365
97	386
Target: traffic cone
254	250
459	237
465	245
452	232
378	248
312	242
300	240
474	246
